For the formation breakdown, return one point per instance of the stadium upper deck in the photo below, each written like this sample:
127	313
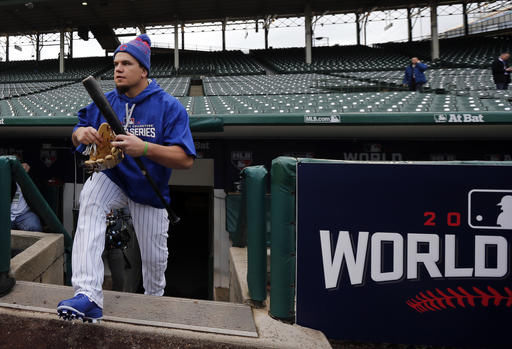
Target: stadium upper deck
232	73
273	87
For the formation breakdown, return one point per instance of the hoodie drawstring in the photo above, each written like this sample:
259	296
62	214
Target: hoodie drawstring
128	116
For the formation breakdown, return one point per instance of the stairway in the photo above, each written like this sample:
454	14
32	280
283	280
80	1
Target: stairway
130	308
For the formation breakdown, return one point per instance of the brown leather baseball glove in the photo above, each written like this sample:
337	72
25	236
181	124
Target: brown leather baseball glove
104	156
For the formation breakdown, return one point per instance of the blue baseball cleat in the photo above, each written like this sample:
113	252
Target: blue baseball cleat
80	308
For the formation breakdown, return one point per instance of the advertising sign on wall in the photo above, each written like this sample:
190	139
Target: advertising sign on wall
405	253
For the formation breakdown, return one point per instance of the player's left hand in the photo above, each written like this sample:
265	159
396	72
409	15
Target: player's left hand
130	144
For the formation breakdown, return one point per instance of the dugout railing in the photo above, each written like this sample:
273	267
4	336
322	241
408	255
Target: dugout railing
283	230
246	222
11	170
248	229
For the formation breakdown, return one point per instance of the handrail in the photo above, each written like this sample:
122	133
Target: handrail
11	169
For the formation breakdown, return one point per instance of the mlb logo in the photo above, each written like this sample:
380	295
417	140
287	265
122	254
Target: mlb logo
490	209
440	118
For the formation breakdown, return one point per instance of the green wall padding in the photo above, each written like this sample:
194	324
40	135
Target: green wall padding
255	188
282	257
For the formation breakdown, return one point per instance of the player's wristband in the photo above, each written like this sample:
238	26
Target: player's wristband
145	149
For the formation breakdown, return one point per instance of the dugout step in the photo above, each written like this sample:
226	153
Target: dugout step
168	312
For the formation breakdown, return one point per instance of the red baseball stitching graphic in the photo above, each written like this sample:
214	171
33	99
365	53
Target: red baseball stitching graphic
428	301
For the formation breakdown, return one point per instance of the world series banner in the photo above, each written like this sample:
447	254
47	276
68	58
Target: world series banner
405	253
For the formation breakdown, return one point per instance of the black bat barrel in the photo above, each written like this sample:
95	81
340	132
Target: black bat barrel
94	89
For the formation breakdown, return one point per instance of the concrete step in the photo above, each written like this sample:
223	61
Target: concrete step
196	90
177	313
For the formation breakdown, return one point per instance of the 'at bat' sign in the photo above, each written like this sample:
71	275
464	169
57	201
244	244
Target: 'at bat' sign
405	253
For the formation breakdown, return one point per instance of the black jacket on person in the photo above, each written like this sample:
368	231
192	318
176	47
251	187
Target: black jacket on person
498	72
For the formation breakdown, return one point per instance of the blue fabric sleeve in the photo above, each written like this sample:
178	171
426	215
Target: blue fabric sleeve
406	78
177	130
82	118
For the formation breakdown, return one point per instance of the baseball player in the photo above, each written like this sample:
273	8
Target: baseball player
158	132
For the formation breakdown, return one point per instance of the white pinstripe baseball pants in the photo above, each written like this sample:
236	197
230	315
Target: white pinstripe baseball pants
99	195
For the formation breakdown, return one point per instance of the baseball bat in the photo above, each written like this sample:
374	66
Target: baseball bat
96	93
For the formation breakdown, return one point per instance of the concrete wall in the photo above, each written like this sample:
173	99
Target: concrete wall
42	258
221	246
238	288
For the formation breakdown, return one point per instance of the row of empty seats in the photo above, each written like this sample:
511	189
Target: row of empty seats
457	52
18	89
68	100
48	70
278	84
356	79
449	79
342	103
331	59
201	63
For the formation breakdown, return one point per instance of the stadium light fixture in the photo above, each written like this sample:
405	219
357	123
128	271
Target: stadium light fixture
84	3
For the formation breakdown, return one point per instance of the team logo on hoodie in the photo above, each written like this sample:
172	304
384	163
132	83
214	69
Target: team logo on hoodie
141	130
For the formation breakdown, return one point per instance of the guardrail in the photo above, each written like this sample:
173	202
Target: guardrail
217	122
247	226
11	169
255	188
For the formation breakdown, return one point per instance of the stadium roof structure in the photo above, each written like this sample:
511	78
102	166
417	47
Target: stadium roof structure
39	16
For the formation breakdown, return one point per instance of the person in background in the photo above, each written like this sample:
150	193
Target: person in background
22	217
414	76
501	71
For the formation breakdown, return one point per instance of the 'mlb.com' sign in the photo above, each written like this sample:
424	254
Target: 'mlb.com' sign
405	253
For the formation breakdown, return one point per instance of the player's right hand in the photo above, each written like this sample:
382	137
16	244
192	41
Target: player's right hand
88	135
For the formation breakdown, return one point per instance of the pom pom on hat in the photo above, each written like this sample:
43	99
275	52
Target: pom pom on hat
139	48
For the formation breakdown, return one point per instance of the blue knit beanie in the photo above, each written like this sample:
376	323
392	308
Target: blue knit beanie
139	48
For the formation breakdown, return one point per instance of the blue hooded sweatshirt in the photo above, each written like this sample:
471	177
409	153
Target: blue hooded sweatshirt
417	72
154	116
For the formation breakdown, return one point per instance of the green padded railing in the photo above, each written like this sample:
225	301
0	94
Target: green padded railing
11	169
216	123
255	188
282	237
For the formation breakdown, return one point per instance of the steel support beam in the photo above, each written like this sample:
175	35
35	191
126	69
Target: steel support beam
224	35
176	47
61	54
309	33
465	18
409	24
358	30
434	34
